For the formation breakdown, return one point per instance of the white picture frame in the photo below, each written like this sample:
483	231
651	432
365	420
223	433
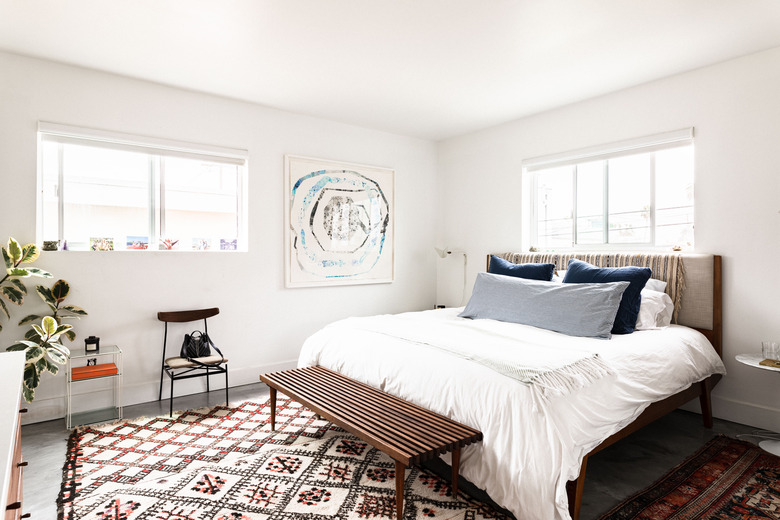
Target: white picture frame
338	223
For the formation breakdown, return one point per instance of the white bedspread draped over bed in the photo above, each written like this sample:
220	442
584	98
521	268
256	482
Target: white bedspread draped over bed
536	426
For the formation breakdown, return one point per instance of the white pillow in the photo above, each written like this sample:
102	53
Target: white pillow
655	310
655	285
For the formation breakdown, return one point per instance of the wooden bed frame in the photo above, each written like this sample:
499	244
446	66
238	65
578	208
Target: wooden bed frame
658	409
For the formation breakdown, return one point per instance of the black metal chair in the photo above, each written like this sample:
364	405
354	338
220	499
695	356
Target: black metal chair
181	368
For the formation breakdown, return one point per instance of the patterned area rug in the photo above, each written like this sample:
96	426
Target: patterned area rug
225	464
727	479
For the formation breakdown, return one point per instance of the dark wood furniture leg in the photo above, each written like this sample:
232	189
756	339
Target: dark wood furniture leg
574	491
273	408
706	403
400	475
455	471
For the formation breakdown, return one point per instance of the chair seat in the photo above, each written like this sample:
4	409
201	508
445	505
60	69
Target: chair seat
180	362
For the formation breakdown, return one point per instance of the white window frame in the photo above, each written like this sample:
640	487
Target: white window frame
150	145
651	143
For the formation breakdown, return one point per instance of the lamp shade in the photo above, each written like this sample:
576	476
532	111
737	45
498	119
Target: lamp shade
442	252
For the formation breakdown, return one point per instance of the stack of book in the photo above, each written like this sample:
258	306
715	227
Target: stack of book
102	370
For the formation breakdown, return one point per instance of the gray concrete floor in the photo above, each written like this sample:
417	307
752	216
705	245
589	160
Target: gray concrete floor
612	475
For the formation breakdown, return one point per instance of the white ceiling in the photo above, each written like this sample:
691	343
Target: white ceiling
426	68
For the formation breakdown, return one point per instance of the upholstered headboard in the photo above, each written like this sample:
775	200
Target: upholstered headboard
693	282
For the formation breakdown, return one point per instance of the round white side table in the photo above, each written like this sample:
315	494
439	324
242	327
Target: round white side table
770	445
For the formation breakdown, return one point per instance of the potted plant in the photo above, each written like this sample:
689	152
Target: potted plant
54	298
11	286
42	346
43	354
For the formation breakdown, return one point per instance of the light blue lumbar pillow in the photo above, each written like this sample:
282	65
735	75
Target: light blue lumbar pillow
582	309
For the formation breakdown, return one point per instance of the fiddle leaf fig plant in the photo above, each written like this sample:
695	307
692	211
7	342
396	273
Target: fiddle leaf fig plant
11	286
43	354
54	298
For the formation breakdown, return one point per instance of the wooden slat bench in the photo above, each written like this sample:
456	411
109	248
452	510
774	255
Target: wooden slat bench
408	433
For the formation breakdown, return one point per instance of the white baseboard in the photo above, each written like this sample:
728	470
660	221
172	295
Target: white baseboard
751	414
52	408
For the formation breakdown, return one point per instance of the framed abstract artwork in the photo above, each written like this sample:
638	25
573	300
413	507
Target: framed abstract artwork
338	223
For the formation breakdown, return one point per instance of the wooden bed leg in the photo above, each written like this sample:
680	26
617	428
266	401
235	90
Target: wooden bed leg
273	408
574	491
400	475
706	403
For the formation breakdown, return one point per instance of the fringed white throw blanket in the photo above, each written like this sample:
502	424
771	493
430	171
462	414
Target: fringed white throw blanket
549	371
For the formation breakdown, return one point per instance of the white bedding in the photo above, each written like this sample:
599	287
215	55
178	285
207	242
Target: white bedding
531	447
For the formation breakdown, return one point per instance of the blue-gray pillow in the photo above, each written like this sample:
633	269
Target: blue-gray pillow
574	309
583	272
498	265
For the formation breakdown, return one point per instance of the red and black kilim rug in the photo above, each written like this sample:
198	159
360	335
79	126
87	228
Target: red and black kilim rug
225	464
727	479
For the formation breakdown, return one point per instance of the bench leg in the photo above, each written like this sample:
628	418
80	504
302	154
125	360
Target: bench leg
273	408
400	475
455	471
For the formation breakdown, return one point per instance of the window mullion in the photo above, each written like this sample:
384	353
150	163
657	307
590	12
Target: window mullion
61	193
574	207
156	195
605	201
652	199
534	209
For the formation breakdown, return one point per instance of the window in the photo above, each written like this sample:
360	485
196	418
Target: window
106	191
636	193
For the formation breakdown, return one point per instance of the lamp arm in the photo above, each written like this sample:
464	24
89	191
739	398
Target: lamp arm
465	270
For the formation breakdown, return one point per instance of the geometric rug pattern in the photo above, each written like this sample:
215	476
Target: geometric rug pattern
225	463
727	479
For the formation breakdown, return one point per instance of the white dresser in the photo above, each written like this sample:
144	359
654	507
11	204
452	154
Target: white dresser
11	465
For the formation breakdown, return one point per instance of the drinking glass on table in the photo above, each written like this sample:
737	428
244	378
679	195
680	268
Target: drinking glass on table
770	350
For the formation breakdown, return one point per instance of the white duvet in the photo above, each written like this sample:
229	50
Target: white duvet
531	446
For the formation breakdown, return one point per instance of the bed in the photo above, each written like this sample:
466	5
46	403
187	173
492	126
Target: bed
539	432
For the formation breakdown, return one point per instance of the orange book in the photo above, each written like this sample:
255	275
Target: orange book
105	369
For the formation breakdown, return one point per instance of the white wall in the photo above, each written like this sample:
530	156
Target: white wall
262	325
735	109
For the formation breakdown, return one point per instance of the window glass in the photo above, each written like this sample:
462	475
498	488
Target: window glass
554	193
200	202
103	195
590	202
643	196
674	196
629	199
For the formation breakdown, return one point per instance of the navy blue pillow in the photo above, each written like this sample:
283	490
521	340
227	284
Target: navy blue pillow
530	271
583	272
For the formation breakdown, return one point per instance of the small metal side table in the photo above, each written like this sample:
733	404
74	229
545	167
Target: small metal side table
78	357
772	440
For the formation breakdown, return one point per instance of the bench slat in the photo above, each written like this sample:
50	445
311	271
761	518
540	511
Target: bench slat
392	403
400	422
427	420
403	430
344	406
440	430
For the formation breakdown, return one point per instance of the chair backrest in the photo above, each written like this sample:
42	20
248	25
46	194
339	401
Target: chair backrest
185	316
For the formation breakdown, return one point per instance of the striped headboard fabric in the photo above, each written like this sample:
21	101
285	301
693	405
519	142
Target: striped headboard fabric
689	277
